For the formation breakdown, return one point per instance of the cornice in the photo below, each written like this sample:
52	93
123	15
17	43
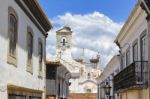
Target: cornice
38	17
127	22
38	13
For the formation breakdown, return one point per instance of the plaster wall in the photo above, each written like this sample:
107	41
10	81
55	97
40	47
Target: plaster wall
135	94
135	28
17	75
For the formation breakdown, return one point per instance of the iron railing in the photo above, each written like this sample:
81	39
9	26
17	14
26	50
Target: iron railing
133	76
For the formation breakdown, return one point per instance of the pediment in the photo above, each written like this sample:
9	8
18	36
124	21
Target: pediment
88	81
64	30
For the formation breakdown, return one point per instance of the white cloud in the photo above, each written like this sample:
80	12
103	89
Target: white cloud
95	32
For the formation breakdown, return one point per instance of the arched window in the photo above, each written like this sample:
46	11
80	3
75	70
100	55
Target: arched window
64	42
13	35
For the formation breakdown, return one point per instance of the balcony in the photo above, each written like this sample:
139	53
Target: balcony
135	76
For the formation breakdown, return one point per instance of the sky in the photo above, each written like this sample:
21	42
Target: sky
95	24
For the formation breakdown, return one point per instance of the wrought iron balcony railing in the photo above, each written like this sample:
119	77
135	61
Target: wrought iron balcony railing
135	76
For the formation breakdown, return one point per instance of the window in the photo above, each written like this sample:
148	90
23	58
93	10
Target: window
143	48
11	96
89	75
59	91
30	51
16	97
81	72
88	91
40	57
135	52
144	51
13	35
128	57
64	42
33	97
51	71
123	61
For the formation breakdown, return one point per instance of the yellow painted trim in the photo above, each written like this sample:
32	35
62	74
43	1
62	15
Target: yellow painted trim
20	90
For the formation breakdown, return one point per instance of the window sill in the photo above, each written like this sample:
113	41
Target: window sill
40	75
12	60
30	69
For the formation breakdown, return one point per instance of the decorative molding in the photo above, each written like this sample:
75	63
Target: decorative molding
19	90
12	60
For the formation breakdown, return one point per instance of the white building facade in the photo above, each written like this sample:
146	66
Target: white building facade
66	67
22	53
111	69
86	83
132	80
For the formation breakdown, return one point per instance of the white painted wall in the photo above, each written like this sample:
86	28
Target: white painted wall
80	85
132	31
10	74
63	77
110	70
135	28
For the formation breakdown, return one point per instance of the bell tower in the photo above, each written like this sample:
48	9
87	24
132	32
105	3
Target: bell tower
64	41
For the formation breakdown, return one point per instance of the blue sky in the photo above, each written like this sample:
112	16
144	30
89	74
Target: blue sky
95	24
117	10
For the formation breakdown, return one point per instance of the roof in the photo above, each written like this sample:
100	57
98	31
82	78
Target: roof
86	81
127	22
109	66
38	13
64	30
53	62
79	60
71	65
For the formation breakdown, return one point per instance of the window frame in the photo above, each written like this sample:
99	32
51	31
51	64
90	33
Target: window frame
123	61
89	90
133	46
30	64
12	58
127	57
143	35
89	75
41	57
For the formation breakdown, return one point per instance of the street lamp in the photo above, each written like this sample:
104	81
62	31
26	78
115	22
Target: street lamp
107	88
